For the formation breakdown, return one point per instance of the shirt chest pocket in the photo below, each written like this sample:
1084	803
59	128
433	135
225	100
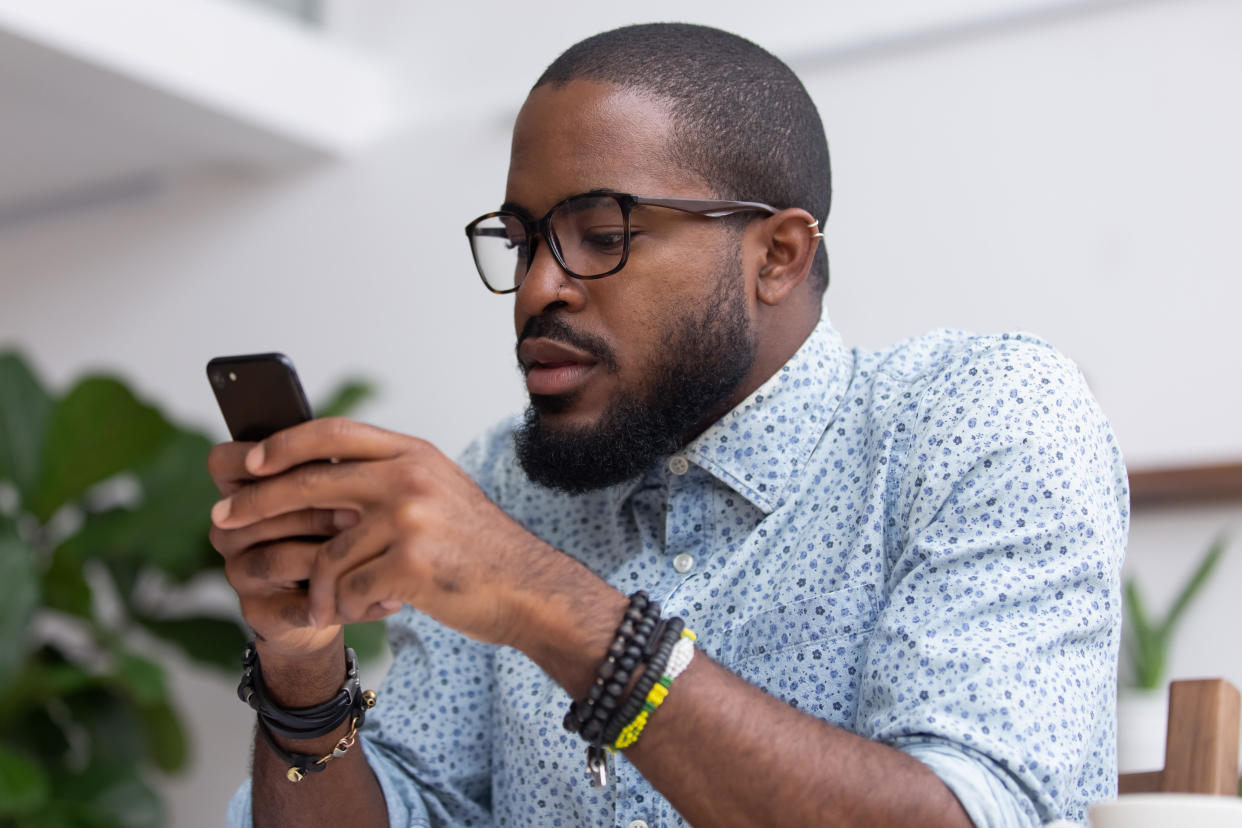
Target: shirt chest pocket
807	653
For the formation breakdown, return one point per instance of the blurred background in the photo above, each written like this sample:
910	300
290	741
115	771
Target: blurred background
181	179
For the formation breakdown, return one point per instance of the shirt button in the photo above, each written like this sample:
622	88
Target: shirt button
683	563
638	823
678	465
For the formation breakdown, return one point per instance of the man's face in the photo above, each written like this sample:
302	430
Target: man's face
624	369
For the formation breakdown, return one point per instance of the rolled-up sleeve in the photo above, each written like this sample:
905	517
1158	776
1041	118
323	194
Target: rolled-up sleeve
994	660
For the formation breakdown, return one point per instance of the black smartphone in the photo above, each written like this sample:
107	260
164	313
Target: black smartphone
259	394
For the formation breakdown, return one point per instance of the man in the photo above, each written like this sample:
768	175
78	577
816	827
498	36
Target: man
902	567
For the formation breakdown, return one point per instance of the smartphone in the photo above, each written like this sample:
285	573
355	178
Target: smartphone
259	394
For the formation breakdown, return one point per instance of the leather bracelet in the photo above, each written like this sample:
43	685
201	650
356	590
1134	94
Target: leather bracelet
301	764
300	722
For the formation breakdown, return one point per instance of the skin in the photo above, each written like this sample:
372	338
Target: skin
406	525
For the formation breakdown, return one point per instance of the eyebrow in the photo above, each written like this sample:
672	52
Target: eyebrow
514	207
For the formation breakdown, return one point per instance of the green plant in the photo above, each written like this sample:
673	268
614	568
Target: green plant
104	506
1149	639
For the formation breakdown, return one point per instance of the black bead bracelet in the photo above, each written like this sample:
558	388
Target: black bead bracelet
589	716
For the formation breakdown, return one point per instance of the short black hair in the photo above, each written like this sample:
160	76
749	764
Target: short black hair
746	124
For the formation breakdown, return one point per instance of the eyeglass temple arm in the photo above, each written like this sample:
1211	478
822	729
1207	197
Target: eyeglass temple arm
708	207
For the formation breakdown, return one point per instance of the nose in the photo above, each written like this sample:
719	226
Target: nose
547	286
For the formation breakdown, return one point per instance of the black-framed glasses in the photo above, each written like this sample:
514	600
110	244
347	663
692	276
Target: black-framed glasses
589	234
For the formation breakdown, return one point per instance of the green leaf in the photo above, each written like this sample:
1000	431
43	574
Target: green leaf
346	398
43	681
21	596
64	584
23	784
217	642
24	411
108	793
39	735
1136	613
57	815
129	802
1140	638
178	494
169	527
1151	664
96	431
46	675
1194	585
166	742
143	678
110	720
368	639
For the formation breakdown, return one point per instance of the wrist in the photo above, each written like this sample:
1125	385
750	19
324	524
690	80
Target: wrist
566	626
303	679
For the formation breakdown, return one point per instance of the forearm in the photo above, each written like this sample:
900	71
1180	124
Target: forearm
723	752
346	791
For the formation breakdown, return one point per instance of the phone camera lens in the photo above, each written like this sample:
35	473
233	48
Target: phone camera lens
218	379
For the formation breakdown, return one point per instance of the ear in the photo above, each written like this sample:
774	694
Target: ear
788	241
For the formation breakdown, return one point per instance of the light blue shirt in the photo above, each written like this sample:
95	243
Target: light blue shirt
920	545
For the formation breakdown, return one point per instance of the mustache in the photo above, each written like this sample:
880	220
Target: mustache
557	329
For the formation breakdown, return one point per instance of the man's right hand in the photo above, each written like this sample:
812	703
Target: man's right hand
268	563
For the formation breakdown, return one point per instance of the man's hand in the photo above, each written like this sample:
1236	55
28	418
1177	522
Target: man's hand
268	562
406	525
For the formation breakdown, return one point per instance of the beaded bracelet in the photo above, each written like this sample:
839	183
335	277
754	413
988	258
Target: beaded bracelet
589	716
628	662
679	660
669	635
596	758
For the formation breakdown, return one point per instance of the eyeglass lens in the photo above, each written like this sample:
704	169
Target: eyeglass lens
587	231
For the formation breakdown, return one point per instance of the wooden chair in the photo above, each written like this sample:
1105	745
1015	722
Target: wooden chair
1201	749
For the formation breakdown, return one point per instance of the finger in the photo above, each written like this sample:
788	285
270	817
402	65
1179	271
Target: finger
305	523
333	438
367	592
315	486
226	463
271	567
342	553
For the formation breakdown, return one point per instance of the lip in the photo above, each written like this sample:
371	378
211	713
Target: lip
554	367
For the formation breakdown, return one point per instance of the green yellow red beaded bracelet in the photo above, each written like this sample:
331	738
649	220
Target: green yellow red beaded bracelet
679	660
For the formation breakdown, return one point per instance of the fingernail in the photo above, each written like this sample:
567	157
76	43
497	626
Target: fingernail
344	518
254	459
220	512
390	606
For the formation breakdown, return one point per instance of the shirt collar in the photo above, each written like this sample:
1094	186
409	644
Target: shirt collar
760	445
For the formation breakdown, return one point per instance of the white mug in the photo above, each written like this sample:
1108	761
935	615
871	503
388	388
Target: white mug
1167	811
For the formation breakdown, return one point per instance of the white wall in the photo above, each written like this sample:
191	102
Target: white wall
1078	178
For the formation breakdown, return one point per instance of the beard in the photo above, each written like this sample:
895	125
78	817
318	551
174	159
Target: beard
703	360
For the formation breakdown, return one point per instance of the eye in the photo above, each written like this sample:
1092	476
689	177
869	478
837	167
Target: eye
604	238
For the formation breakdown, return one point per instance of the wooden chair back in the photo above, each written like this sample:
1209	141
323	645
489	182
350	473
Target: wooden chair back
1201	749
